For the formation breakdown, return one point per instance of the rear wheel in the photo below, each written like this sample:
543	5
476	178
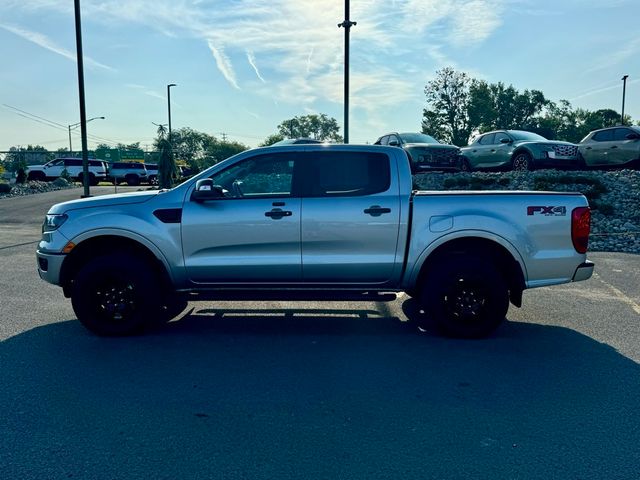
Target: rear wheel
132	180
39	176
465	296
115	294
522	162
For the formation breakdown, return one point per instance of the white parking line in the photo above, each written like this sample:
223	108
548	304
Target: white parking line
621	295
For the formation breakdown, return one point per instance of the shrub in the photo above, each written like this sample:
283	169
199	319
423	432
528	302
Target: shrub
5	188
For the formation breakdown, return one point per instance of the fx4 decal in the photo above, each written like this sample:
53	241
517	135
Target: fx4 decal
547	211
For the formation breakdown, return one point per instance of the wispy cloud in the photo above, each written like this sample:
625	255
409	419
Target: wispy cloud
252	61
147	91
224	64
595	91
300	42
48	44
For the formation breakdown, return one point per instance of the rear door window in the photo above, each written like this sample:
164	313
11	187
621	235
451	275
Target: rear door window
346	174
487	139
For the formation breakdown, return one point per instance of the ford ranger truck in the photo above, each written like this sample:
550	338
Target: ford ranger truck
311	220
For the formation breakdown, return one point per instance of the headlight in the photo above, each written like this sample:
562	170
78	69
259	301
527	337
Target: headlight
53	222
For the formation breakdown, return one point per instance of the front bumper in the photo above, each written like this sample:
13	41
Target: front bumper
49	266
584	271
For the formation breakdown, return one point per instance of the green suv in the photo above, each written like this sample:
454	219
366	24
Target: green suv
517	150
611	147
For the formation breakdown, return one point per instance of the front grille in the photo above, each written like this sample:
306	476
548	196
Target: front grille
438	157
566	150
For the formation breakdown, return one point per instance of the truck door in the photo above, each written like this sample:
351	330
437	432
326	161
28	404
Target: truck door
252	235
350	217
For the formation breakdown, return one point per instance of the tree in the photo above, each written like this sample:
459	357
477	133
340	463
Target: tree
494	106
166	166
271	139
19	158
446	115
217	151
319	127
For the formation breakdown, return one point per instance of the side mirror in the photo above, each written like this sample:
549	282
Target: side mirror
206	190
505	140
393	143
632	136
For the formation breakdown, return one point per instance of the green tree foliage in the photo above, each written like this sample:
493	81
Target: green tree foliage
446	115
319	127
494	106
19	158
217	151
458	106
198	149
271	139
166	166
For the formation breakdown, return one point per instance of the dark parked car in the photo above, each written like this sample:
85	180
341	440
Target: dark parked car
611	147
424	152
518	150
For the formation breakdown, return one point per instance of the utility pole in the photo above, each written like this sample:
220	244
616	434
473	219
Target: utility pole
83	113
224	136
347	24
169	109
624	91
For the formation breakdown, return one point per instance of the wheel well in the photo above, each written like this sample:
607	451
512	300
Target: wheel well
94	247
484	248
521	150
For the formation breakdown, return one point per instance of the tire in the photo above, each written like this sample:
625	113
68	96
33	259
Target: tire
522	162
39	176
132	180
581	164
465	296
115	295
465	166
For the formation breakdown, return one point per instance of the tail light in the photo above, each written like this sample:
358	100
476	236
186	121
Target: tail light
580	228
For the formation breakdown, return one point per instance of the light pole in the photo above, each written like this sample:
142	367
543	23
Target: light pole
73	125
624	91
347	24
169	109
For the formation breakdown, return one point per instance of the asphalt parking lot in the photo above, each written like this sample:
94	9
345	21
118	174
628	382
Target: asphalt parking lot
314	389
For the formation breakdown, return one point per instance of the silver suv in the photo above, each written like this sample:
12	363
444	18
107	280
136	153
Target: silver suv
133	173
611	147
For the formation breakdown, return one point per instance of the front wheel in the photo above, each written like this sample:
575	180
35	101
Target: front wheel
522	162
115	295
464	165
466	296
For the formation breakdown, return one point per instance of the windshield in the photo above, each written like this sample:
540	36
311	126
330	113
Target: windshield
520	135
417	138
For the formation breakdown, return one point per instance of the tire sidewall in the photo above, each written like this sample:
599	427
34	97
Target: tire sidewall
122	267
528	159
440	282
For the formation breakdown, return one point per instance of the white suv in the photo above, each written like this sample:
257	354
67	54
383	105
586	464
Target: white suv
53	169
130	172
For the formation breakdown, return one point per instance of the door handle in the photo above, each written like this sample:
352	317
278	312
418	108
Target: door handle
588	148
376	210
277	214
493	150
615	146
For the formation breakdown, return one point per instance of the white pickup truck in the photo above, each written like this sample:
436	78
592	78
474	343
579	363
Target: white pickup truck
318	219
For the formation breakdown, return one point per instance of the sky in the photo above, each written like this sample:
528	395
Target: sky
243	66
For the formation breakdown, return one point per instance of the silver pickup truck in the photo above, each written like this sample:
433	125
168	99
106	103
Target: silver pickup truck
309	220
